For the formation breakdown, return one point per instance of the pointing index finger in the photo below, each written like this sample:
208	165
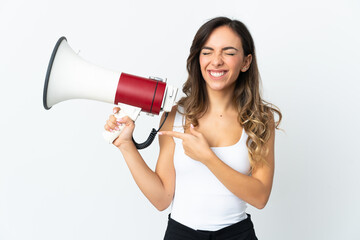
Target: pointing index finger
173	134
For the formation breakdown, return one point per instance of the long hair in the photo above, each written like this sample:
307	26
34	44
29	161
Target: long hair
255	115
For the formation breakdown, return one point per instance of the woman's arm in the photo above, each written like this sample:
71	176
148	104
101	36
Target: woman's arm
254	189
157	186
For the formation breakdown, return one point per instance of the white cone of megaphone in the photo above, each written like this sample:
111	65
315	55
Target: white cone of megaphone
71	77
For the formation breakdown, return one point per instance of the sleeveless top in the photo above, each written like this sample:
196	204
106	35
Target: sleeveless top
201	201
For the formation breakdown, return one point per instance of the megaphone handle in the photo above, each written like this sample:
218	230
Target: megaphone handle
125	110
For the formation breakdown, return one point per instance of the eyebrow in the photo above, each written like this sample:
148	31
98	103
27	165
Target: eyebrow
224	49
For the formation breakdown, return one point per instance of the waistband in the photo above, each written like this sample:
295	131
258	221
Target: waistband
223	233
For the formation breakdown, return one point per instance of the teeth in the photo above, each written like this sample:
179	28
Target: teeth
217	74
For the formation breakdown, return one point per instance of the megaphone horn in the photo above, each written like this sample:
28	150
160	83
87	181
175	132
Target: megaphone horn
71	77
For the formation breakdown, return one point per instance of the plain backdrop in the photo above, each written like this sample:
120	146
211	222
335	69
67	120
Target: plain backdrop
60	180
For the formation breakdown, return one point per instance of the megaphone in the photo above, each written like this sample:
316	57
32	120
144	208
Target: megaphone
71	77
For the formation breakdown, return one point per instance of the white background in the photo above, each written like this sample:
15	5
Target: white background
60	180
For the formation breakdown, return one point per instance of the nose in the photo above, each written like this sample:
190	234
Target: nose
217	60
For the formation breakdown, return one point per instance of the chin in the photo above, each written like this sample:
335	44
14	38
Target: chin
217	87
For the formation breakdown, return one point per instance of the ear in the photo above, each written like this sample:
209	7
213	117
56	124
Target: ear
247	62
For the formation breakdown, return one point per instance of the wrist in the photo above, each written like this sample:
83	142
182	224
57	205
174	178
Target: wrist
126	145
210	158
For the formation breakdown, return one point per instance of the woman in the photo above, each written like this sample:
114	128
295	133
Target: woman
217	145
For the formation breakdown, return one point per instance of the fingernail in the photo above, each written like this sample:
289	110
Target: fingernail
160	133
114	111
117	128
192	126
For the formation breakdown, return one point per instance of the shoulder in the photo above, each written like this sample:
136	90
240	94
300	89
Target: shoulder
169	123
167	143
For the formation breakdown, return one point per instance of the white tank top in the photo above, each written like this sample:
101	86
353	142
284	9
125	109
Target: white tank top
201	201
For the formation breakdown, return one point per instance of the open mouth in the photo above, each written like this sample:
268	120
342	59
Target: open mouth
217	73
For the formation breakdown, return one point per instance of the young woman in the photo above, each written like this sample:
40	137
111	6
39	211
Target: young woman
217	145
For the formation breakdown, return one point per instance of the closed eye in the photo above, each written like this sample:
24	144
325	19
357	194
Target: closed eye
206	50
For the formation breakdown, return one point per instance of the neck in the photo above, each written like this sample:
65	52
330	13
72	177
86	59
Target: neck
220	102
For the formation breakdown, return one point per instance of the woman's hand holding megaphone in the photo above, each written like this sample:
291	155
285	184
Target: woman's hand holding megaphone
124	125
124	117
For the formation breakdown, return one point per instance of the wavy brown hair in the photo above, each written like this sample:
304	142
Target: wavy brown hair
255	115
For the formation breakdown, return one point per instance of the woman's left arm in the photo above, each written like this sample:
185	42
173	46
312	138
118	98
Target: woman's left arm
254	189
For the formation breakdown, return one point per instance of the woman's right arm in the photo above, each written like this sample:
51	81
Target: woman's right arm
159	185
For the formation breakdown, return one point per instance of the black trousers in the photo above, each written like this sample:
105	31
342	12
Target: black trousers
243	230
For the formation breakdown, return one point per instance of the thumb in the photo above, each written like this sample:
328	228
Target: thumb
116	110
